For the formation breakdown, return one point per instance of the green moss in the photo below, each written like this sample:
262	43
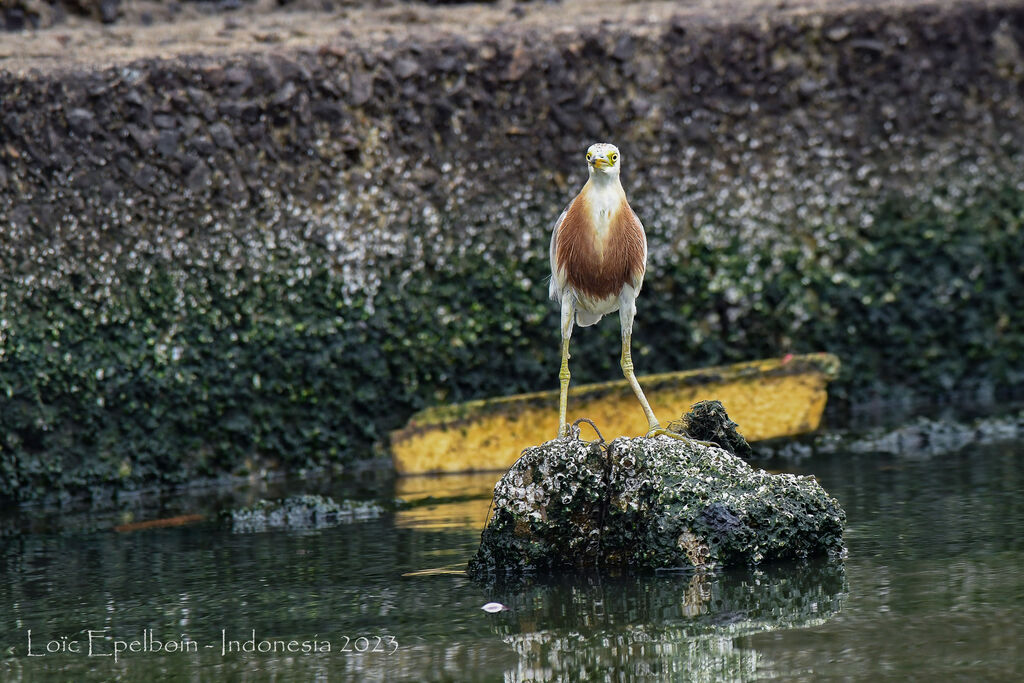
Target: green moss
707	421
176	372
920	299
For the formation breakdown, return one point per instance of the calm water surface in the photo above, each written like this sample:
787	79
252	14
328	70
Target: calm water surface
932	590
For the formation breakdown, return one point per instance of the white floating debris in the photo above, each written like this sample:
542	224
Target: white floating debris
493	607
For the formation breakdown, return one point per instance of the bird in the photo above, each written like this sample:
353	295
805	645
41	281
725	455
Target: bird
598	259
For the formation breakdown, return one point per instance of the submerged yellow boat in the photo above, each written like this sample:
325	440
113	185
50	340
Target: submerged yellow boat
766	398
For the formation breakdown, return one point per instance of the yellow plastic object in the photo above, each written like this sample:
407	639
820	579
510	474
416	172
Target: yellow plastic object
766	398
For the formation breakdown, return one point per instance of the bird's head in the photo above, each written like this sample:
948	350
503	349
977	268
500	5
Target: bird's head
603	160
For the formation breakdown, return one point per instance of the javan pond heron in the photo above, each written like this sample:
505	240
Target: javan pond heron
598	258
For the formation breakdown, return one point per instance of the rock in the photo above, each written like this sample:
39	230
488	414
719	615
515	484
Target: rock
625	48
14	18
198	177
235	186
519	65
250	112
328	111
838	33
144	177
302	512
649	503
109	10
167	142
202	144
222	136
109	191
144	138
406	68
447	63
285	93
240	79
88	179
165	120
190	124
360	89
81	121
917	438
21	216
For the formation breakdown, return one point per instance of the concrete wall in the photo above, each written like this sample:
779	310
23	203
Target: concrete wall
214	264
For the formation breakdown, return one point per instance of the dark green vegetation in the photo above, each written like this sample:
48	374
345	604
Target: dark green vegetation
212	267
644	504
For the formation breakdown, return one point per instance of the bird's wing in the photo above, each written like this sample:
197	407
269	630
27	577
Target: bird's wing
638	273
557	284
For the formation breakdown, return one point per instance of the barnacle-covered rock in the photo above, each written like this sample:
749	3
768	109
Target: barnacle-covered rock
302	512
649	503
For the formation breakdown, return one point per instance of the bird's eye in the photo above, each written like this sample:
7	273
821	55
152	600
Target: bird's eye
589	156
614	157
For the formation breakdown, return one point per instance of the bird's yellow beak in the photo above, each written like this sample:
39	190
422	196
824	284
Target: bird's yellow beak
600	162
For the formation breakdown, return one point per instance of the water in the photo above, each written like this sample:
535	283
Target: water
932	590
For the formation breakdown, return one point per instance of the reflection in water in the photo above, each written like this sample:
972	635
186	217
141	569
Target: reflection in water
649	627
463	500
936	587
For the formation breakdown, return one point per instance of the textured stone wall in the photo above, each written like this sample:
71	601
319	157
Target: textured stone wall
269	260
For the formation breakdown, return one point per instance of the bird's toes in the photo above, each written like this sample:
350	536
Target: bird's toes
681	437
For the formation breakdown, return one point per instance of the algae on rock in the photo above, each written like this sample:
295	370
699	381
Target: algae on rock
649	503
708	421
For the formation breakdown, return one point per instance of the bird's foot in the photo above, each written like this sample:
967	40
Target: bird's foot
660	431
573	430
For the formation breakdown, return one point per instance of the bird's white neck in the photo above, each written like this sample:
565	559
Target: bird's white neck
604	199
605	191
601	178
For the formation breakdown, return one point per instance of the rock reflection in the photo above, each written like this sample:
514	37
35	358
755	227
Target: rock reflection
652	627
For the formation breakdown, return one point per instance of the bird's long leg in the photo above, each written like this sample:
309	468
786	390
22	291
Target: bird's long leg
626	312
568	314
627	309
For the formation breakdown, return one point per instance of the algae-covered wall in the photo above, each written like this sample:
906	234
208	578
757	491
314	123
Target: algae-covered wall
212	265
